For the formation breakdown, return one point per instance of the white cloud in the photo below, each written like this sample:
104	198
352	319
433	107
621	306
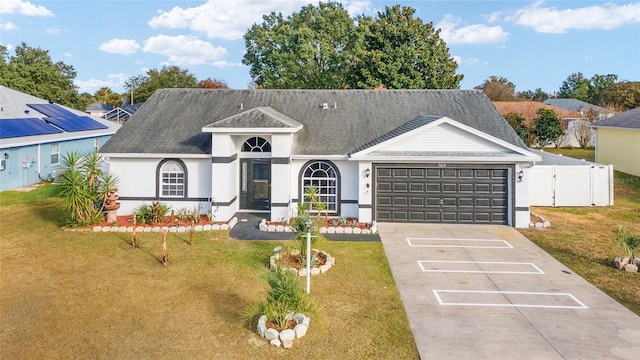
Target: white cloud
53	31
457	59
7	26
69	55
114	81
552	20
223	19
120	46
359	7
184	50
471	34
23	8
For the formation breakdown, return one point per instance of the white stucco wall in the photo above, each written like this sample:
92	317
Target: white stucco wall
138	183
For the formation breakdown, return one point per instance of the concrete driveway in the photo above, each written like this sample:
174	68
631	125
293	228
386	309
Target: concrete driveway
487	292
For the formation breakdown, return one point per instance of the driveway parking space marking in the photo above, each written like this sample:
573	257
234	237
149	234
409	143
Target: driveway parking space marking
508	299
459	243
480	267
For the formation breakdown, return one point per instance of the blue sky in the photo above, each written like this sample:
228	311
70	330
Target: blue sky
534	44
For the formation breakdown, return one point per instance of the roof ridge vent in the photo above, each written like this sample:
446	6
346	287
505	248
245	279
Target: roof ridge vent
325	106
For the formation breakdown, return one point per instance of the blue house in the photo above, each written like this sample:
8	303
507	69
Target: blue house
35	134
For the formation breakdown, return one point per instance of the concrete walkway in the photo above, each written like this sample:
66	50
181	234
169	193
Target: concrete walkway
487	292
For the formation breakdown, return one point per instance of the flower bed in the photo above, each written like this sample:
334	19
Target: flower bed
329	226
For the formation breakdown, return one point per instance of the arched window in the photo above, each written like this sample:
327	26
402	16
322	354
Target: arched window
172	179
324	176
256	144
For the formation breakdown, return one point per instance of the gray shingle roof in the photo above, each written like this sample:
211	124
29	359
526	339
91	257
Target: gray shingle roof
628	119
260	117
573	105
336	122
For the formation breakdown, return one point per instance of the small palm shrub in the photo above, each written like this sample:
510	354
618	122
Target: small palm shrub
151	214
629	243
284	298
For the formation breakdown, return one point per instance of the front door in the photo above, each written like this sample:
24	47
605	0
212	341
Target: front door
255	184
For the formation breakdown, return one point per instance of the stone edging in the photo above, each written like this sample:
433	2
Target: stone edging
157	229
540	224
286	337
323	230
303	271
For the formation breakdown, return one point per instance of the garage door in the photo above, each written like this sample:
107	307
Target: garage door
461	194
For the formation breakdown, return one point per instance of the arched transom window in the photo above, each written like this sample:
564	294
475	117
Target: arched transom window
324	177
172	179
256	144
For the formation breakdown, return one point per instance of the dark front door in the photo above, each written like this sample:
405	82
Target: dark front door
255	184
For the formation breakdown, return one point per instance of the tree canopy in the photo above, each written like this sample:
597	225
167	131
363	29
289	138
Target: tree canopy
498	89
547	127
142	87
323	48
601	90
32	71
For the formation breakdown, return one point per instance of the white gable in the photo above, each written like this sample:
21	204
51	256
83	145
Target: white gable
444	137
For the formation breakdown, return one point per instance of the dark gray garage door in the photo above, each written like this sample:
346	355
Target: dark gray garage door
448	194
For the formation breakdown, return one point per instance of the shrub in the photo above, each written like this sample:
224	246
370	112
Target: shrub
629	243
151	214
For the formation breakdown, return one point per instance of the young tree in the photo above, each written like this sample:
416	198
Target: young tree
547	127
582	128
32	71
498	89
518	124
310	49
400	51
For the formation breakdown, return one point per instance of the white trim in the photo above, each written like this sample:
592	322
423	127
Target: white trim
154	156
244	131
614	127
51	139
448	159
528	155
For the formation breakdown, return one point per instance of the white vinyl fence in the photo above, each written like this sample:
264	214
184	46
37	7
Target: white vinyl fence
563	181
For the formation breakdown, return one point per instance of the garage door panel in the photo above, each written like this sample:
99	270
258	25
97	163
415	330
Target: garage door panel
452	195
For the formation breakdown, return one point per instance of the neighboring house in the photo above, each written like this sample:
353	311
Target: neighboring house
121	114
35	134
98	109
528	109
618	141
441	156
579	106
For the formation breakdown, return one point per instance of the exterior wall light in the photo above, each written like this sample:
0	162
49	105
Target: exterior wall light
6	156
367	172
520	175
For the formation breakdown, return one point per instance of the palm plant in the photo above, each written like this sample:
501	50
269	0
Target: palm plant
629	243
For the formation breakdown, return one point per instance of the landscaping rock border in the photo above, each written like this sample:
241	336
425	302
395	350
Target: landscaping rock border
157	229
286	337
303	271
323	230
539	224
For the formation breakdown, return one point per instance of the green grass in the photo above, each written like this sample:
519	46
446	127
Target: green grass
72	294
587	153
583	239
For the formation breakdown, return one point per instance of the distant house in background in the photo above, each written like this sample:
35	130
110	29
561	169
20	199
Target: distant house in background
118	114
618	141
35	134
528	109
579	106
98	109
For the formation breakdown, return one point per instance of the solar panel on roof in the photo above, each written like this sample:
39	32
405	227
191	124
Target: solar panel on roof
75	123
10	128
51	110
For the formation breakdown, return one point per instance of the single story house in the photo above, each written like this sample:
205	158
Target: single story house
35	134
442	156
618	141
579	106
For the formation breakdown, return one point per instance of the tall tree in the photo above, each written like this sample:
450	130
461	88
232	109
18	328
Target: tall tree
536	95
547	127
310	49
576	86
599	85
213	84
323	48
498	89
167	77
402	52
32	71
107	96
624	95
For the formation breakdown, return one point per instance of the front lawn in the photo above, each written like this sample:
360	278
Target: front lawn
582	237
85	295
